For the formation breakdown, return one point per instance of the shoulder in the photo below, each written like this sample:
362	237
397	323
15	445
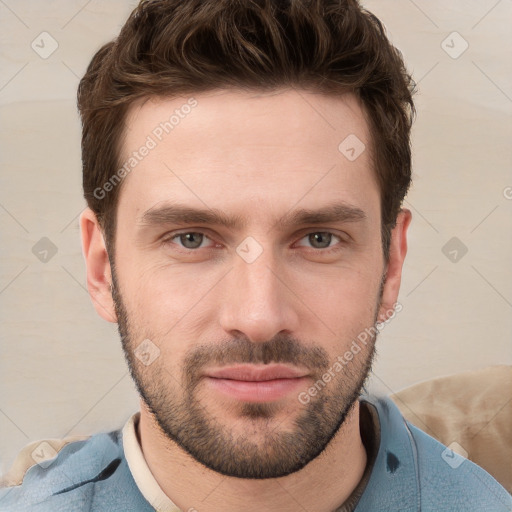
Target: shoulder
52	467
37	452
470	412
415	471
448	478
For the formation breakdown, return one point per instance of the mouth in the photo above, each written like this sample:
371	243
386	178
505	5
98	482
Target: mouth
256	383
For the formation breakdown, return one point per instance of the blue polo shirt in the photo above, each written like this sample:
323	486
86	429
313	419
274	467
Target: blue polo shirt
408	471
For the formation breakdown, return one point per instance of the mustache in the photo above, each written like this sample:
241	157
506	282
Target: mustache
280	349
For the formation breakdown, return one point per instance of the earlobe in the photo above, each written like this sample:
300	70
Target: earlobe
397	253
99	276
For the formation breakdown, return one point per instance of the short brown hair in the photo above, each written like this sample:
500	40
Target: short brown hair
173	47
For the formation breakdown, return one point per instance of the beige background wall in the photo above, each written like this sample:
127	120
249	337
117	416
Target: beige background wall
62	370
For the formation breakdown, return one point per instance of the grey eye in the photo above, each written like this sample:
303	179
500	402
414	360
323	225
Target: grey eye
191	240
320	240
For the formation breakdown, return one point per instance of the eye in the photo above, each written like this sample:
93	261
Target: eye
192	240
188	240
321	239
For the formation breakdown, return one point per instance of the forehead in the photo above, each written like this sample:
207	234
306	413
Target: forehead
244	150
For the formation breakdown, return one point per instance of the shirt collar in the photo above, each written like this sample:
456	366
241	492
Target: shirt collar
394	482
393	468
141	473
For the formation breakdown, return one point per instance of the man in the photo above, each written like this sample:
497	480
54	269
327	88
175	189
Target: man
244	165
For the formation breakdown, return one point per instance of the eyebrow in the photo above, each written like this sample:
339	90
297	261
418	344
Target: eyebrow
184	215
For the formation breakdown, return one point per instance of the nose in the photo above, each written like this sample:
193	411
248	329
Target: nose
258	300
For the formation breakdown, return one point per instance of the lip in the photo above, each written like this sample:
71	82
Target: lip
256	373
251	383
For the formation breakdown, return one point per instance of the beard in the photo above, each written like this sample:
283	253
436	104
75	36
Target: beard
264	448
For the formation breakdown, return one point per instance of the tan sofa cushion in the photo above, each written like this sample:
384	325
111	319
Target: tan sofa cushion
473	409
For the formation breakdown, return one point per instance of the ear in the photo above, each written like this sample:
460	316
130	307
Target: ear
397	252
99	276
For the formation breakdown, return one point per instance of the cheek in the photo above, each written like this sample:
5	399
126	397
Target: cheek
169	305
336	289
341	304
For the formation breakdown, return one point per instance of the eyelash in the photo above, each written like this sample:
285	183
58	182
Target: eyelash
168	241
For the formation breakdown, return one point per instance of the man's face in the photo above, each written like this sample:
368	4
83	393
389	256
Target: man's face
269	290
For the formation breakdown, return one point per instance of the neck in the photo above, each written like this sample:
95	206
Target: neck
322	485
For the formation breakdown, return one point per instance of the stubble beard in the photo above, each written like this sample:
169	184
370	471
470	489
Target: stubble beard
265	448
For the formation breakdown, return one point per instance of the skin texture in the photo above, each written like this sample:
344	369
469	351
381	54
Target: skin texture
302	301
